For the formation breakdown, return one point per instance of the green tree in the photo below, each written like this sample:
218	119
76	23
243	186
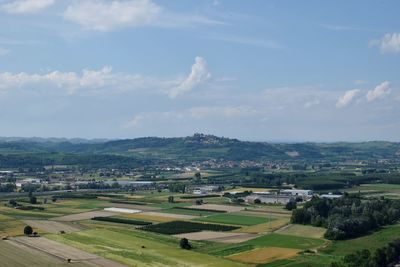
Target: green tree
28	230
184	244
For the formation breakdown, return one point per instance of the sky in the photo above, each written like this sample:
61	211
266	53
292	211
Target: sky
281	71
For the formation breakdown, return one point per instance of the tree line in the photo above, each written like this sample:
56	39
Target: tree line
381	257
349	216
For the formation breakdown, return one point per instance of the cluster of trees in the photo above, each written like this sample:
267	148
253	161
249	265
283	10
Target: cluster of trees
180	227
348	216
7	187
121	220
385	256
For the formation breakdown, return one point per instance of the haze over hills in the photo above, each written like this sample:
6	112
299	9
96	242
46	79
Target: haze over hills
201	147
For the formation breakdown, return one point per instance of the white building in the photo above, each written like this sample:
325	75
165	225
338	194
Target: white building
330	196
298	192
269	198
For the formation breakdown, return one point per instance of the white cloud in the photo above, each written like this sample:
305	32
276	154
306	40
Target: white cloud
4	51
105	81
379	91
390	43
347	98
198	75
91	80
109	15
26	6
101	15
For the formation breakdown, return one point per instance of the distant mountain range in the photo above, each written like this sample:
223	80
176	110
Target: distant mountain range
201	147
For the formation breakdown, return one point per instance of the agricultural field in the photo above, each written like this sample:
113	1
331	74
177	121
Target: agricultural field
302	230
220	234
135	248
14	254
234	219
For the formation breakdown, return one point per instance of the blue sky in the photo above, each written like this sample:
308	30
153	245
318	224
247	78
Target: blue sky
254	70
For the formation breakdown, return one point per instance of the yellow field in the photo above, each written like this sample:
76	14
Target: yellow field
265	255
303	231
135	196
11	227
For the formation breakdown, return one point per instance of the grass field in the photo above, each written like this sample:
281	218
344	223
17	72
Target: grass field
264	227
234	219
189	212
303	231
10	227
285	241
338	249
10	255
139	249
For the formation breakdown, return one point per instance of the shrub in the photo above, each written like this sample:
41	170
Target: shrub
184	244
28	230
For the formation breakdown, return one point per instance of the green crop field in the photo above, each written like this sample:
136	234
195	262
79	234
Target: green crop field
234	219
136	248
189	212
285	241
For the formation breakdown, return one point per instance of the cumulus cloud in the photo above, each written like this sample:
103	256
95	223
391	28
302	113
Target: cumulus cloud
102	15
347	98
379	91
105	80
26	6
109	15
390	43
198	75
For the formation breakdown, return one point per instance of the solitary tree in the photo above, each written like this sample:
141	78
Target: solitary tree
184	243
171	199
28	230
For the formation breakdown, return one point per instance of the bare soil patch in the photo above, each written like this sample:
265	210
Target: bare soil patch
84	216
63	251
14	254
223	237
